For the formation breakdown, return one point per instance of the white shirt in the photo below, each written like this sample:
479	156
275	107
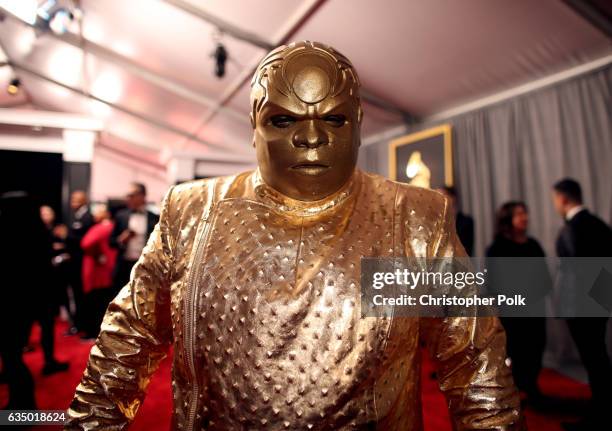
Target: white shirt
572	212
76	222
80	212
138	225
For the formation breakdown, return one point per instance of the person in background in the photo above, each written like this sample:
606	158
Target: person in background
132	228
463	222
47	215
98	265
25	260
50	294
81	221
58	234
586	235
512	240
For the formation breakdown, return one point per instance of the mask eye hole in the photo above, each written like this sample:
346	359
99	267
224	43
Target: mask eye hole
282	121
335	120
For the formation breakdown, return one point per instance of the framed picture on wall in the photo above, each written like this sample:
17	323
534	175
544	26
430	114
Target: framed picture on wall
423	158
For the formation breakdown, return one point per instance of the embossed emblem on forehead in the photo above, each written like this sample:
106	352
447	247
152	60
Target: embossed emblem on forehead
311	74
307	71
311	84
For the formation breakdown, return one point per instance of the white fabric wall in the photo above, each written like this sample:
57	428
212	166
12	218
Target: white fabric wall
111	175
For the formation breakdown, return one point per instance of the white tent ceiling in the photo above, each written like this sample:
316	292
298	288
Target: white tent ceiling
151	60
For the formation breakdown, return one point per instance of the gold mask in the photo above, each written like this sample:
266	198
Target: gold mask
306	114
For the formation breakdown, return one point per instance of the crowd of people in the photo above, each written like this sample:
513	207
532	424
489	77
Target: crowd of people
49	266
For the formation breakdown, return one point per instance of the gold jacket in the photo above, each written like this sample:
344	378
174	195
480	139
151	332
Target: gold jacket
259	295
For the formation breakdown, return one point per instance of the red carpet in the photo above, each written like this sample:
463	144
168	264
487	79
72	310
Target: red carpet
55	392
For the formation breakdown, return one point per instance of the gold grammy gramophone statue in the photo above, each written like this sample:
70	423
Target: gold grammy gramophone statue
417	171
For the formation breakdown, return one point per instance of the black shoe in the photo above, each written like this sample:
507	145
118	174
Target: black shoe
55	367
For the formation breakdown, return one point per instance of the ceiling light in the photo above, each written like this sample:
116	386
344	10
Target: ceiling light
108	87
14	87
60	21
65	65
24	41
56	16
45	10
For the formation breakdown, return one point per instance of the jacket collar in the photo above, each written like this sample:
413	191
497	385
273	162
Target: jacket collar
572	213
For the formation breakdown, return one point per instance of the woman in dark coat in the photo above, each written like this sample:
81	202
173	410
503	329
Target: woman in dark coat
526	336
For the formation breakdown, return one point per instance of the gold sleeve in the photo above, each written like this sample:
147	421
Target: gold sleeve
134	338
470	358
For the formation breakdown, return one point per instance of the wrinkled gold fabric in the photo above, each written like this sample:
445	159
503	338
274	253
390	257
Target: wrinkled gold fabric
259	295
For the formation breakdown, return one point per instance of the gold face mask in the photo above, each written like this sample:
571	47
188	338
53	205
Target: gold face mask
306	114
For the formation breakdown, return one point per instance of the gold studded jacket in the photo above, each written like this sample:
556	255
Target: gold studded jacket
259	295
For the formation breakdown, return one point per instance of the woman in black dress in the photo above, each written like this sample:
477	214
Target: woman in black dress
526	336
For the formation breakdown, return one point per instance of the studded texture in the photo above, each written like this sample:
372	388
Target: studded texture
259	295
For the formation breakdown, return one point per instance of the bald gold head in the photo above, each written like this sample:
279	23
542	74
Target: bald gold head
306	116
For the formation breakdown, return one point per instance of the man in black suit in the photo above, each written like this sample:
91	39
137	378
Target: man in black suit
133	226
80	222
463	222
586	235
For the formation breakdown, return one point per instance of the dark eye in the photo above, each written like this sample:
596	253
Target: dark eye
335	120
282	121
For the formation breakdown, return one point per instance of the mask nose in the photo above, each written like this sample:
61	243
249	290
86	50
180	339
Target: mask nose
310	136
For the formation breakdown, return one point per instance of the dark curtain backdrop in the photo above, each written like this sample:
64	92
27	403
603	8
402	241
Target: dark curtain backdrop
518	148
39	174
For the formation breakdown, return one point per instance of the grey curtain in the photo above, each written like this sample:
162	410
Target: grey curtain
517	149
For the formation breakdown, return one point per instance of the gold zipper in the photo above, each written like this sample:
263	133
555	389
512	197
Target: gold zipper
190	311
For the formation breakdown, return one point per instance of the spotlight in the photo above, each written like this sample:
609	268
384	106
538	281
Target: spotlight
55	16
14	87
45	10
60	21
220	55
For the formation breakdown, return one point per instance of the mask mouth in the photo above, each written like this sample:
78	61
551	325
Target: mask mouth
310	168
